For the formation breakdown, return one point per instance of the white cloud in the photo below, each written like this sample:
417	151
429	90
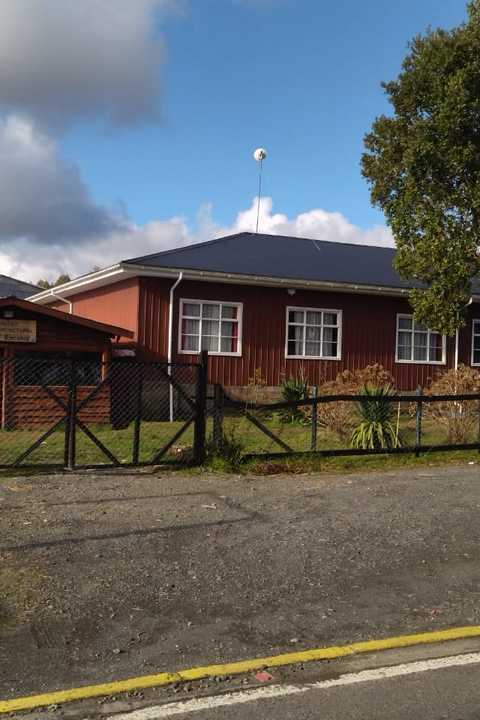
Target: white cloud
317	224
65	59
29	260
43	198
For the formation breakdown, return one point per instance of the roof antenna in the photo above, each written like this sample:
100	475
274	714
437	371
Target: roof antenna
259	155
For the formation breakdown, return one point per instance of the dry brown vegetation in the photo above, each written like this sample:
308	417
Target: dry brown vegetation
339	416
457	417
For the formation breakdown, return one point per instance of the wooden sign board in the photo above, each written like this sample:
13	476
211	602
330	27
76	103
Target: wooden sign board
18	331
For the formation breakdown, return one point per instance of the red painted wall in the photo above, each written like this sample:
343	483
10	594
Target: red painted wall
115	304
368	333
153	317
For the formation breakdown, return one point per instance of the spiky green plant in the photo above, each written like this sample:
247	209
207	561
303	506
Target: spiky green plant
377	430
294	389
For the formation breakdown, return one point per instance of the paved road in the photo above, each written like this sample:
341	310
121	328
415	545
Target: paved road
109	576
442	689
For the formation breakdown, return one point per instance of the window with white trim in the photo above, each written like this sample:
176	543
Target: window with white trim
418	344
313	333
476	342
212	326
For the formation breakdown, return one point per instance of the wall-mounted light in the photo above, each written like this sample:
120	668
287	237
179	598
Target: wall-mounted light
291	291
8	314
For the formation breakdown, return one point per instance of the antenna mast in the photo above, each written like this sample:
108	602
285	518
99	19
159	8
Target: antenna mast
259	155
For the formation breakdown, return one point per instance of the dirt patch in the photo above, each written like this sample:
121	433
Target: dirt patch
21	591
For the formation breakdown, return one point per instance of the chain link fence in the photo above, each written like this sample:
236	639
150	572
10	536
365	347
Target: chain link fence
85	413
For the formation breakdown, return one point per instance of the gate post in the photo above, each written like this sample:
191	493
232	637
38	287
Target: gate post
200	410
138	415
218	418
8	389
313	444
418	422
70	427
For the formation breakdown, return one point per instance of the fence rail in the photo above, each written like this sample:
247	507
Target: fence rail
323	425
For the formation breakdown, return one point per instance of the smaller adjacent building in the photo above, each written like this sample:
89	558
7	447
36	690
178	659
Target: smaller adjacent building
11	287
36	346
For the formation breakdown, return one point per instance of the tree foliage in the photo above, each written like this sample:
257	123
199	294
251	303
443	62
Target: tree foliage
46	285
423	168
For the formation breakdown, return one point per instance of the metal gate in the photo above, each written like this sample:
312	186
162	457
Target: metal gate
83	413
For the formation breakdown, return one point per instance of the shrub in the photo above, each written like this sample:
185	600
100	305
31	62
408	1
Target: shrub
230	452
376	430
339	416
457	417
372	375
294	389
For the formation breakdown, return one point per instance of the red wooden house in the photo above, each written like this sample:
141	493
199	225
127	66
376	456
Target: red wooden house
271	304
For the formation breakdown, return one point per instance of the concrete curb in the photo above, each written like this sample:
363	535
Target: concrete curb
58	697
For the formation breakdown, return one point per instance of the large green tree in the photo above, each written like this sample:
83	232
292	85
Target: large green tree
423	167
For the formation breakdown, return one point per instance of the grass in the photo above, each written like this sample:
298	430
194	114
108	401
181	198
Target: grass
345	465
154	435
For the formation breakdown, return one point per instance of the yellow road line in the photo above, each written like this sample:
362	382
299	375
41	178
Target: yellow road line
198	673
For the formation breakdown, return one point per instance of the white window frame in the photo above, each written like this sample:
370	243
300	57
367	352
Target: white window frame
429	332
475	321
238	305
306	310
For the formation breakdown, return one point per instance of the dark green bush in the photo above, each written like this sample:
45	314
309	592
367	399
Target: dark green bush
376	430
228	452
294	389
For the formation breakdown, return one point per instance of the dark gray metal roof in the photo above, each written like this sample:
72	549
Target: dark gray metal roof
280	256
11	287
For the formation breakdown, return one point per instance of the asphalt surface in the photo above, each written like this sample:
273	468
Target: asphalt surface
450	694
104	577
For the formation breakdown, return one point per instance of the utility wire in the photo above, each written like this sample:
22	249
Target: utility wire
259	193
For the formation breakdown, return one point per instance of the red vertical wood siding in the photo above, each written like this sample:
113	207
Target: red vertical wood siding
115	304
153	317
368	332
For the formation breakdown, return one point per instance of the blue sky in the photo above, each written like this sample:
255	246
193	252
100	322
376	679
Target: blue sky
301	78
136	116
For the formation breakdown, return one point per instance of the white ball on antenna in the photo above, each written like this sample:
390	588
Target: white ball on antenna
260	154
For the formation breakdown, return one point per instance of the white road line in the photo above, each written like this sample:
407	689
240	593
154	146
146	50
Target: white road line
275	691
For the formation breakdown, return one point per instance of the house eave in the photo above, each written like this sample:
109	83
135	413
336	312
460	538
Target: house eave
263	281
94	280
122	271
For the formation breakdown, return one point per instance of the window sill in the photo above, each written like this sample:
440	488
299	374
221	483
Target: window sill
420	362
210	353
311	357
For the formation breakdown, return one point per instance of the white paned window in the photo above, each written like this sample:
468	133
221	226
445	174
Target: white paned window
418	344
476	342
313	333
212	326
